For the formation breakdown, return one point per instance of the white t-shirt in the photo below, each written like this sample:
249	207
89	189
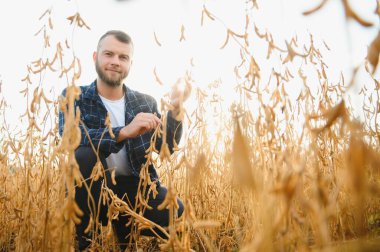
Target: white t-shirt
117	161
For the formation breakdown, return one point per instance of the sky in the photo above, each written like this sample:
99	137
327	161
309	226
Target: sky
19	21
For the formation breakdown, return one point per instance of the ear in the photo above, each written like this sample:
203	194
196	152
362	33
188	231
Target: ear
94	56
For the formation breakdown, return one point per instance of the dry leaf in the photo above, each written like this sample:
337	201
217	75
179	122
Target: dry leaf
318	7
78	20
226	41
182	33
43	14
208	14
113	177
50	24
206	224
331	116
373	52
157	78
156	39
108	124
240	160
351	14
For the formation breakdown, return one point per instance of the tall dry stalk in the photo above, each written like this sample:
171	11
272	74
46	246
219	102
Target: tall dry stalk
271	174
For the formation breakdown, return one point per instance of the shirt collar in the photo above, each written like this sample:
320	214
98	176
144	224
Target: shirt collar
92	93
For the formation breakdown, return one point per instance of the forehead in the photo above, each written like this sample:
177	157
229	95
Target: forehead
110	43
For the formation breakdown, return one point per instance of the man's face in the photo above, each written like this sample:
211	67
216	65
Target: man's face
113	61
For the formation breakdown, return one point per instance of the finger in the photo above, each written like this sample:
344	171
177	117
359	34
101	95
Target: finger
145	115
151	124
146	126
157	120
140	115
157	123
154	118
150	119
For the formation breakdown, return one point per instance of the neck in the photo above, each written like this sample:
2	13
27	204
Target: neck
111	93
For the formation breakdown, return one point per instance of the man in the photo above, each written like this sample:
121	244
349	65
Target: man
134	117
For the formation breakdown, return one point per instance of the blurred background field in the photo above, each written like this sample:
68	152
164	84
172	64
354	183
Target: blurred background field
281	144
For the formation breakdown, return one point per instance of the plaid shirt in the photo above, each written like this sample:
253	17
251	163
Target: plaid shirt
93	114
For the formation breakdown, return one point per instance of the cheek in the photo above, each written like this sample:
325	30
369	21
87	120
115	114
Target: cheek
100	63
126	67
104	61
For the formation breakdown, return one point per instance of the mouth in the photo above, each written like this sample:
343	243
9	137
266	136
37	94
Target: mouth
112	70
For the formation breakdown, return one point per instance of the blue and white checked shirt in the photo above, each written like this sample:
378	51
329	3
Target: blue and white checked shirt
93	114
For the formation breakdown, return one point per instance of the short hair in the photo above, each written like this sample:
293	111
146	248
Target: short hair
119	35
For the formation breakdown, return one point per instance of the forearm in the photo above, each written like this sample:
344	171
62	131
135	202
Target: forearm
101	137
123	135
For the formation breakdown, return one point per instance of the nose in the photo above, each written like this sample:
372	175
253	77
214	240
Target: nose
115	60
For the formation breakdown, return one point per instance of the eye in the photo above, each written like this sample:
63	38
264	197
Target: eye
124	57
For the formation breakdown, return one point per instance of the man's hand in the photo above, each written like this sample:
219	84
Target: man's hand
142	123
180	92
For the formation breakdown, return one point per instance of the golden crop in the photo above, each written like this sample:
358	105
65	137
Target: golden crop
270	174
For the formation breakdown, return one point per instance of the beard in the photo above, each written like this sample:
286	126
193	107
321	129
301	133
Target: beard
109	80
